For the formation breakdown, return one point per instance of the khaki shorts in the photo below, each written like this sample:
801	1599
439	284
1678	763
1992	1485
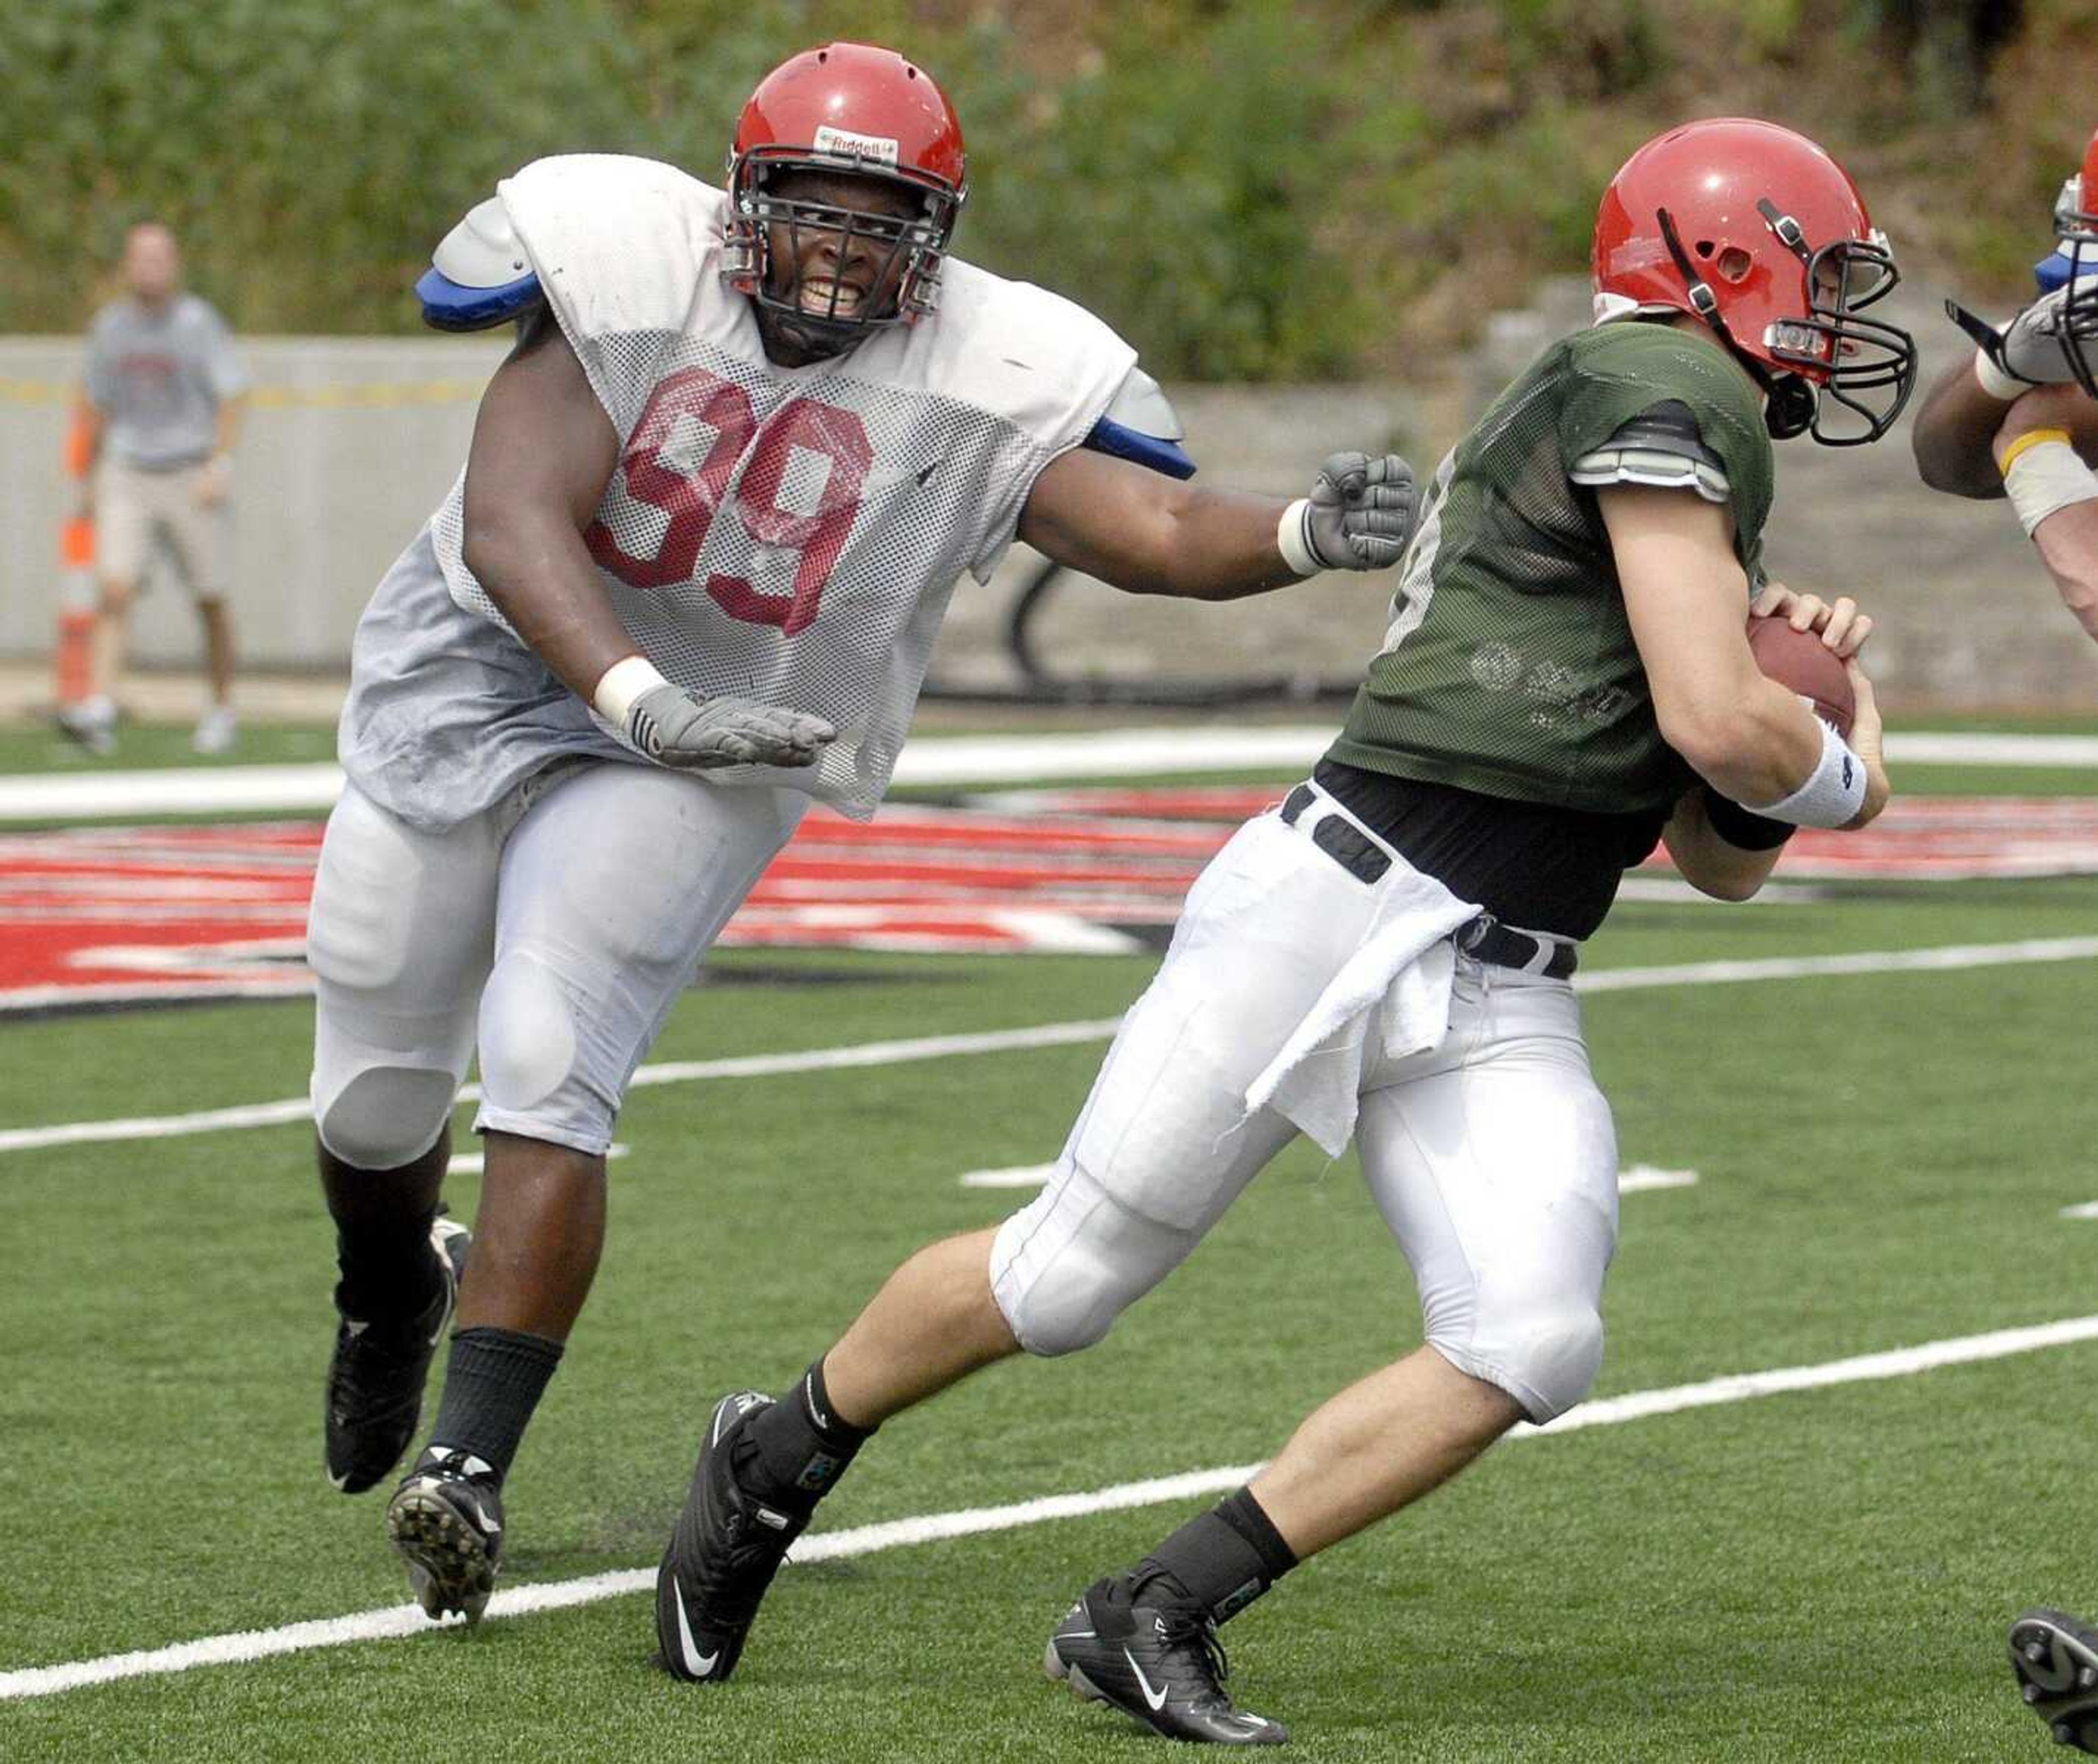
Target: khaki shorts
135	509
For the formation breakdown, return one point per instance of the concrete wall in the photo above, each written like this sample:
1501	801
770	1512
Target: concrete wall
353	441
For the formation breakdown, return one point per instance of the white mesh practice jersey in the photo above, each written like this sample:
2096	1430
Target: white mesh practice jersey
786	534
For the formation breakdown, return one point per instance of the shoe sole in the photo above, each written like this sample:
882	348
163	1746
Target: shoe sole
449	1567
2056	1658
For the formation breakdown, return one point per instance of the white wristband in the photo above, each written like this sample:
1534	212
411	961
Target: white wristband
621	684
2045	479
1293	538
1996	383
1833	792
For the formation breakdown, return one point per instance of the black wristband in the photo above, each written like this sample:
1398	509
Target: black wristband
1743	828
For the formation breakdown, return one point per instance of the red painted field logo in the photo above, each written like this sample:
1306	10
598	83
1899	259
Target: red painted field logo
115	916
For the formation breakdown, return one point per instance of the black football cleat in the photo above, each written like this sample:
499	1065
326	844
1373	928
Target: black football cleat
375	1378
727	1546
446	1519
1156	1661
2056	1658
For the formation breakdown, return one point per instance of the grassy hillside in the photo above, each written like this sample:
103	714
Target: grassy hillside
1249	190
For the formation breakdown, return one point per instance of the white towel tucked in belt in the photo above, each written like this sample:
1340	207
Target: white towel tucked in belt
1396	985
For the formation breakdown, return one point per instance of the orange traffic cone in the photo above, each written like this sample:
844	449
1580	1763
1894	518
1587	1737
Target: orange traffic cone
76	610
77	590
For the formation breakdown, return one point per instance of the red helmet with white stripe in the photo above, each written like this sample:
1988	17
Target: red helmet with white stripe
865	112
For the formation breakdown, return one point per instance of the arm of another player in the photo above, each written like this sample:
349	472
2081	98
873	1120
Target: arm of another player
1149	534
217	477
543	452
1952	434
1685	592
2066	537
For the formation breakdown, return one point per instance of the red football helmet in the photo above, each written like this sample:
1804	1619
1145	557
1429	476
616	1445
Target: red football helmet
1758	232
853	108
2076	226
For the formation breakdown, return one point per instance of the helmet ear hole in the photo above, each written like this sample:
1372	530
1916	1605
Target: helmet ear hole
1705	247
1735	264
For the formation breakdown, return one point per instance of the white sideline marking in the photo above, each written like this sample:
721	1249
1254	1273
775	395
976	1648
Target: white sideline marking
2088	1209
742	1066
473	1163
1639	1176
1944	957
1020	1176
929	759
1644	1176
928	1528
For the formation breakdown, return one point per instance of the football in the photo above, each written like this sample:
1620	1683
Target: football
1799	659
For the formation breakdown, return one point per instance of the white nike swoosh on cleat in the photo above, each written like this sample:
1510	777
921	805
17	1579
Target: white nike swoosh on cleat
1154	1700
699	1665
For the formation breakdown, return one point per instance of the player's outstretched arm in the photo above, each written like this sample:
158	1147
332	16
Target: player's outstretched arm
1748	737
1149	534
2044	441
543	452
1952	433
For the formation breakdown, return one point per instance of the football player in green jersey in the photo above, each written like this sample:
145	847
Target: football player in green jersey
1385	954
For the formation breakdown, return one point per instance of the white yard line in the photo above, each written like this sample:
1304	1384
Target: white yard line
399	1620
1639	1178
930	760
1643	1177
1938	959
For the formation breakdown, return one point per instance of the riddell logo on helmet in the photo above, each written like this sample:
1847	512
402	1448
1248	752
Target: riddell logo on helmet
847	145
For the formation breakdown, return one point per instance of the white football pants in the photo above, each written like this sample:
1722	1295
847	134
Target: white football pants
555	932
1492	1156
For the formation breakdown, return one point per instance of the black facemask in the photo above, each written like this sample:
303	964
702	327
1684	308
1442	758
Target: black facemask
1857	356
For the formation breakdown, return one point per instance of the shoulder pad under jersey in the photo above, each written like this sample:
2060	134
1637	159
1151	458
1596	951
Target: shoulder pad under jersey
479	276
1141	426
1661	448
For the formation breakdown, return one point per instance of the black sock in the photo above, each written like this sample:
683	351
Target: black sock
492	1382
389	1272
793	1452
1224	1560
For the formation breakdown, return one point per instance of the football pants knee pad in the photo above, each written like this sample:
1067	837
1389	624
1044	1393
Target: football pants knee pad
528	1035
1063	1268
385	1116
1543	1350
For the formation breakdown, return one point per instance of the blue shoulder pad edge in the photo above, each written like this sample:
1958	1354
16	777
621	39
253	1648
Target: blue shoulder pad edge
1119	441
449	306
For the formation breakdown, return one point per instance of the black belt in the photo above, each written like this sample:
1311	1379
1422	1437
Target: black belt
1484	938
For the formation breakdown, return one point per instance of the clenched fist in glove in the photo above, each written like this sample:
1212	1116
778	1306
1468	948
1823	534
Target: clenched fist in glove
689	734
2034	348
1358	516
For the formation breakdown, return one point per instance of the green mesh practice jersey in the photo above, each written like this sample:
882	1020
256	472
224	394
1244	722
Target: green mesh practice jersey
1509	668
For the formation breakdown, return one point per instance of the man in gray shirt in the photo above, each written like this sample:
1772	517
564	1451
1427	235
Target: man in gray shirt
164	397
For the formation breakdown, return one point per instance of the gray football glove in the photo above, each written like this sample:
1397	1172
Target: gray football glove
2029	347
1361	511
698	733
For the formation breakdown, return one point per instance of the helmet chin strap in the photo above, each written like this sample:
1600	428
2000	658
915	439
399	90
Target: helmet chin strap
1790	402
814	338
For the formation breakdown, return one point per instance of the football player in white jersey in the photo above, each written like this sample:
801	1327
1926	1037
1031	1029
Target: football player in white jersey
2021	420
688	581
